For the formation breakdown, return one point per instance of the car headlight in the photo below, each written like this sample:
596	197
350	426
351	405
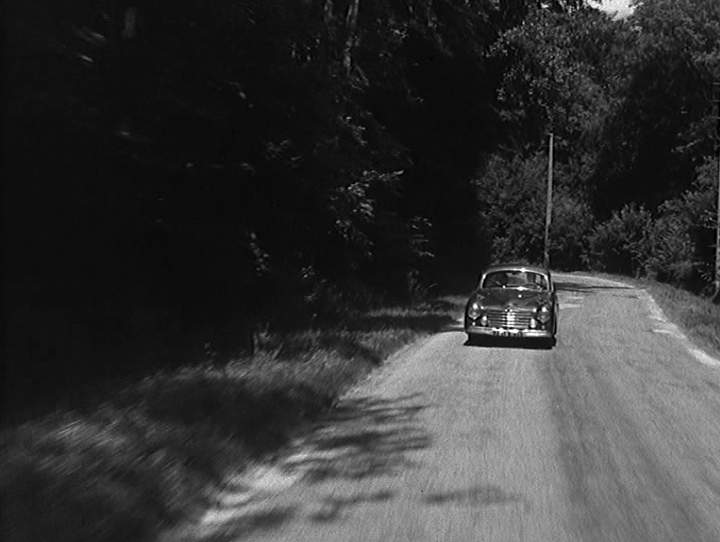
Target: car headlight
544	313
474	310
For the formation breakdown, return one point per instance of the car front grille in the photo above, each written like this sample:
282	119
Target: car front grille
509	319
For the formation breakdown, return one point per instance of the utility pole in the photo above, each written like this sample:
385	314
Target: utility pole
716	100
548	202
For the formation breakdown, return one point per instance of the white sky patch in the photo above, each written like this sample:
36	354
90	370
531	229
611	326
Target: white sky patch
621	8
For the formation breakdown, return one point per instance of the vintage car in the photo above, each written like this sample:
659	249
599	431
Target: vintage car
516	301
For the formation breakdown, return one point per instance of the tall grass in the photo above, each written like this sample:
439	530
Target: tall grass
697	316
142	459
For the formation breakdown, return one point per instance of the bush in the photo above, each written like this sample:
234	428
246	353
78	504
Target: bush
671	257
572	226
682	242
620	244
512	196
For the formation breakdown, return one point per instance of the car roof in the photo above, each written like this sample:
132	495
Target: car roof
516	267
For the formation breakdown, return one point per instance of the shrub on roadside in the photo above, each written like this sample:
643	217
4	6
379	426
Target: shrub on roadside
512	196
683	248
621	244
572	225
671	252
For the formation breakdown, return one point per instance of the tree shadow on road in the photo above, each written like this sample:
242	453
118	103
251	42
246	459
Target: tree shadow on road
584	288
510	342
247	523
332	507
364	437
428	322
479	495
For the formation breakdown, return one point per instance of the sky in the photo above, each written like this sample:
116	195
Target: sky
622	7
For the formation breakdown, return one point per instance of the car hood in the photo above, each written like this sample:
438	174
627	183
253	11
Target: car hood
511	297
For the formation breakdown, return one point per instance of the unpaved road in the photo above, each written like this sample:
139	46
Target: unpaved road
612	435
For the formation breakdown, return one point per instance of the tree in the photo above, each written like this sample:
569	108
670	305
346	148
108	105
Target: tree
556	77
663	127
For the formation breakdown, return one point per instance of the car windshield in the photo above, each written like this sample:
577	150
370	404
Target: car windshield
515	279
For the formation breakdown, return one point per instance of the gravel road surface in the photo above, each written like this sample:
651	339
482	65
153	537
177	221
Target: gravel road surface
612	435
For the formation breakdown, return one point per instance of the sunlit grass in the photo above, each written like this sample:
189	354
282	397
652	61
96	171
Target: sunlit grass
697	316
125	469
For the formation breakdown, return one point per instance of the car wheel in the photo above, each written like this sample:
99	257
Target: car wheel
471	340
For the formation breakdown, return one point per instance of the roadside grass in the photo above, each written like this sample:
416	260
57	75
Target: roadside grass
136	463
695	315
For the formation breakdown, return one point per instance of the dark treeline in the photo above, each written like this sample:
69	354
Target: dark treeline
178	173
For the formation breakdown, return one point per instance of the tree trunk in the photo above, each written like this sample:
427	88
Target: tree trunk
328	36
351	26
327	13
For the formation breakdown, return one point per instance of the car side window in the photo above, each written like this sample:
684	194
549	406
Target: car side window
539	280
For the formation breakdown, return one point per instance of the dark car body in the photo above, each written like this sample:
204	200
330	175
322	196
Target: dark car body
512	300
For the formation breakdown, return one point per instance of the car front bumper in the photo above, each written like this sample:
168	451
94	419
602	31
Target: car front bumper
515	333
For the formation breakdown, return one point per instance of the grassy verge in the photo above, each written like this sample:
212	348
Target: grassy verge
145	458
697	316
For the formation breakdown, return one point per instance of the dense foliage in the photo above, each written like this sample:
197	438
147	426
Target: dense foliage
630	103
182	173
